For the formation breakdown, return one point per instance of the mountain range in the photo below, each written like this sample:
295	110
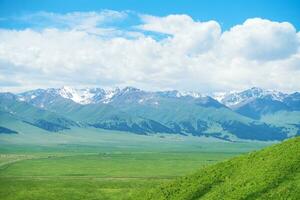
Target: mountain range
253	114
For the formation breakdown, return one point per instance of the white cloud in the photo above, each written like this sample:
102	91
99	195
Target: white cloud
261	39
187	35
193	56
90	22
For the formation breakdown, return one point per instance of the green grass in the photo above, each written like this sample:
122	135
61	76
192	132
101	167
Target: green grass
85	175
97	176
112	165
102	165
272	173
73	188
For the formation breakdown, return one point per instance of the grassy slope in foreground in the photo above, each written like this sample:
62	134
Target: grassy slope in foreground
271	173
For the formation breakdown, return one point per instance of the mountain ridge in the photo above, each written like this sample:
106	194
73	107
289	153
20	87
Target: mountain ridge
170	112
90	95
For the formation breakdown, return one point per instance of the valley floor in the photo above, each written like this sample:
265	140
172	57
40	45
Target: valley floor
95	176
116	168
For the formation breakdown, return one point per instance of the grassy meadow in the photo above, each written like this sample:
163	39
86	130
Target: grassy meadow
107	166
271	173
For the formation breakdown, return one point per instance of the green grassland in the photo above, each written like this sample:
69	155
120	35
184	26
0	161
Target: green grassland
97	176
272	173
96	164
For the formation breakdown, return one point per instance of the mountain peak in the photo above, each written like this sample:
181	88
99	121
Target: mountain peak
130	89
256	88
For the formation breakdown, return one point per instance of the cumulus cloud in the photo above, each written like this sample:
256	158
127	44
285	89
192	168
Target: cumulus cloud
192	55
261	39
187	35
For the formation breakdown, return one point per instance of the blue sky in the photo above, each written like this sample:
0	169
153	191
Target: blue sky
205	46
227	13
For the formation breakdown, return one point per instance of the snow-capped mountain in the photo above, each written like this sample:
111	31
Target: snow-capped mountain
256	102
138	111
88	95
106	96
81	96
236	99
253	102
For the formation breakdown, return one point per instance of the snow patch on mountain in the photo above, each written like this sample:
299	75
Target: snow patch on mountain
191	94
82	96
108	95
219	96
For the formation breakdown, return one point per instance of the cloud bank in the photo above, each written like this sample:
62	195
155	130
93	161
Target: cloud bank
171	52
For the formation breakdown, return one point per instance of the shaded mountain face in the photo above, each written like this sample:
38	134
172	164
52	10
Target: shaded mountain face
261	106
4	130
293	101
234	116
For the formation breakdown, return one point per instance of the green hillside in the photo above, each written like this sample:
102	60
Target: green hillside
272	173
